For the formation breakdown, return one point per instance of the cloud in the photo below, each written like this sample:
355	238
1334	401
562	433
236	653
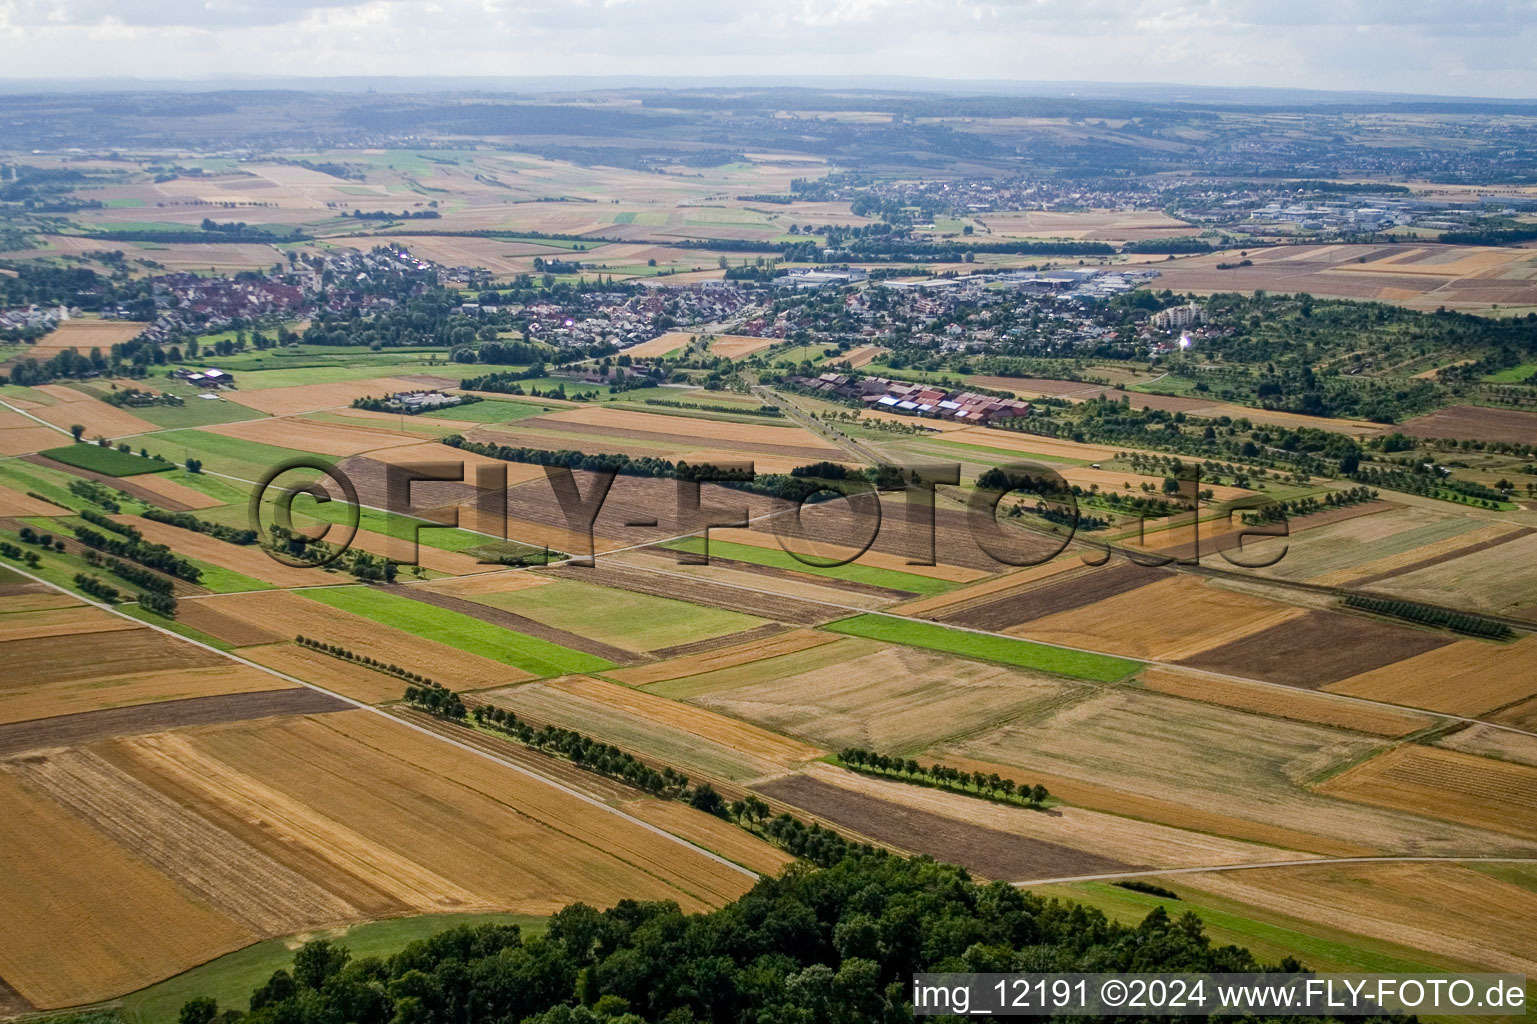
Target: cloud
1473	47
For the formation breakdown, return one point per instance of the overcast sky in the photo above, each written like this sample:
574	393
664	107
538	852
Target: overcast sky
1452	47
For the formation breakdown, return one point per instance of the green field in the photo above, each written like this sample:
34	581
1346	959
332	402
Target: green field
636	622
231	978
1022	653
247	460
197	412
1512	374
52	484
105	460
891	579
431	623
492	411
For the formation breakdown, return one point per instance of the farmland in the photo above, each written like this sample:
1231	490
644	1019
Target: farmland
1247	767
200	791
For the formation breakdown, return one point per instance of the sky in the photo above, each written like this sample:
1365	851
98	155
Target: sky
1446	47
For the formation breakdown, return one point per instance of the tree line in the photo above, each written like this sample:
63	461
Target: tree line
188	521
1429	615
155	556
940	776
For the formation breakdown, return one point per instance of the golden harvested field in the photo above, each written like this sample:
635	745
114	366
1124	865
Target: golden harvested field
708	831
735	346
724	657
74	661
123	689
891	699
206	618
432	827
661	345
1179	815
79	619
1125	839
1522	715
1497	795
1291	702
322	670
1422	276
598	859
26	597
863	355
300	398
1468	677
1212	761
98	418
248	559
1494	926
309	436
86	920
1168	620
1488	741
926	606
20	435
292	615
696	740
178	847
705	430
84	335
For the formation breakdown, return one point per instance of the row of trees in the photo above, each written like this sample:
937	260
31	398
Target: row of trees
121	529
98	588
1429	615
437	699
595	756
811	842
155	556
16	554
1276	511
388	668
96	494
940	776
362	565
188	521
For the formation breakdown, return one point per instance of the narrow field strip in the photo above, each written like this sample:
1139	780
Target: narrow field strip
1021	653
